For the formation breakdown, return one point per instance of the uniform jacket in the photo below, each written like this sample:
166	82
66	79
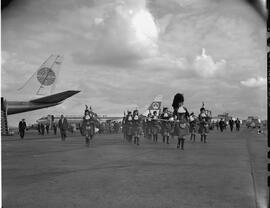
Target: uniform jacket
136	121
91	122
165	123
128	121
181	116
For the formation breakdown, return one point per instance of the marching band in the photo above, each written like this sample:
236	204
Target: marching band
168	124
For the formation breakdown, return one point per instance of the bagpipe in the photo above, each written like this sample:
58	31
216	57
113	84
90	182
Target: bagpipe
206	122
90	112
207	112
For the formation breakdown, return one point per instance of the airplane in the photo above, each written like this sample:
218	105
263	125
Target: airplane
43	83
77	119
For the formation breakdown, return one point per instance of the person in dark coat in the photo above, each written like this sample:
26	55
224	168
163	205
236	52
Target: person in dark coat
231	123
181	117
217	125
237	124
38	128
222	125
54	128
22	127
47	128
63	126
42	128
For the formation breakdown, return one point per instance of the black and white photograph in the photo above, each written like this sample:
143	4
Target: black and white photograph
134	103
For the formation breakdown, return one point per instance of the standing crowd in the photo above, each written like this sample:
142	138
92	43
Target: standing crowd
222	124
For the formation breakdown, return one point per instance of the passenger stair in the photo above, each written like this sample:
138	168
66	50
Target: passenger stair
4	121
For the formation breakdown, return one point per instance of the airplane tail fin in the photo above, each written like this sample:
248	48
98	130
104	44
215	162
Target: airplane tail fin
44	79
155	105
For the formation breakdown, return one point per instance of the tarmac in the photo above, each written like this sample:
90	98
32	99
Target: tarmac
229	171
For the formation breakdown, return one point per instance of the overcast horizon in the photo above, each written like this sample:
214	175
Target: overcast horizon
121	54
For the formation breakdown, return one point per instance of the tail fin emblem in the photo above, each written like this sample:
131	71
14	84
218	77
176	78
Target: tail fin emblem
155	105
46	76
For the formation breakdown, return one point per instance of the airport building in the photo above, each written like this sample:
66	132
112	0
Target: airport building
224	116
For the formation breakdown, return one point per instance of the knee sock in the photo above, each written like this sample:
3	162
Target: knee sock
178	144
182	143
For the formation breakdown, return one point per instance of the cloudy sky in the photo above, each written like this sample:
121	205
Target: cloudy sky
121	54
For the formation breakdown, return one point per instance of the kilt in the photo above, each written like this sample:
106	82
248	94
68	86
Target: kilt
180	131
155	129
203	129
148	129
90	130
166	128
129	130
137	131
123	129
193	128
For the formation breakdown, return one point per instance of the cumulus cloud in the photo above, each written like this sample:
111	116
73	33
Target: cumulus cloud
125	33
206	67
254	82
98	20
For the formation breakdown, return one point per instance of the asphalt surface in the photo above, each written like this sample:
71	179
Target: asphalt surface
229	171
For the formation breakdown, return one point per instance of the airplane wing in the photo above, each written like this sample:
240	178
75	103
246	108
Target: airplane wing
55	98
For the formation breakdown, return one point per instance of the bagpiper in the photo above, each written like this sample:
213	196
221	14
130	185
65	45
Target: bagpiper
237	123
124	127
148	129
181	117
166	125
155	126
192	126
137	126
128	124
89	125
204	120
